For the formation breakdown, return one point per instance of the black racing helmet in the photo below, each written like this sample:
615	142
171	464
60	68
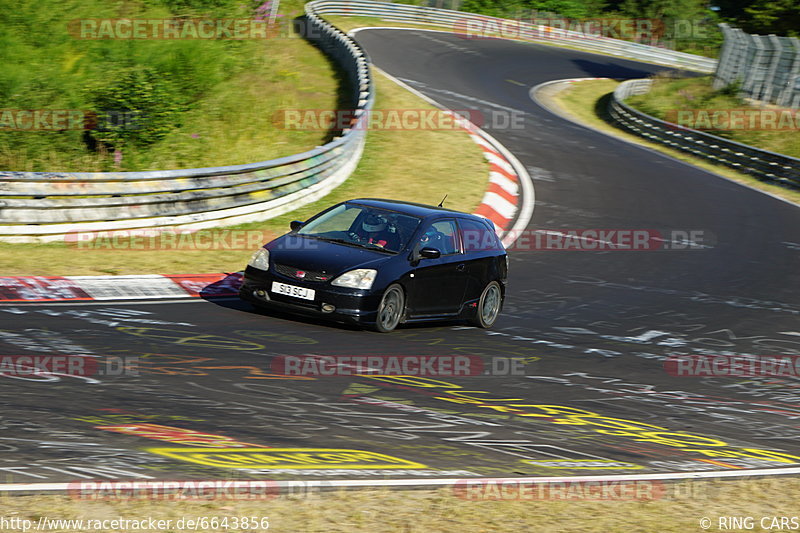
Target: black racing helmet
373	223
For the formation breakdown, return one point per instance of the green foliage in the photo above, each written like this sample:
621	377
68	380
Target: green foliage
781	17
684	25
138	109
732	89
572	9
195	6
668	95
491	7
46	65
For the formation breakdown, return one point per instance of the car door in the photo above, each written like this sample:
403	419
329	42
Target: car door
438	284
480	247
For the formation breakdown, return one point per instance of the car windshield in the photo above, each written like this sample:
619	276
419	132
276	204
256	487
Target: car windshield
363	226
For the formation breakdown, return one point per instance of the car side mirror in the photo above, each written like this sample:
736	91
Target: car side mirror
430	253
296	225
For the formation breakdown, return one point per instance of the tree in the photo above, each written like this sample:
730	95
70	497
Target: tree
781	17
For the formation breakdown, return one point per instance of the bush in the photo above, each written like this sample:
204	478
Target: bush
140	108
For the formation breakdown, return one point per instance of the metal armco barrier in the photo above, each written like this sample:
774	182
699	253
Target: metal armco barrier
46	206
471	25
747	159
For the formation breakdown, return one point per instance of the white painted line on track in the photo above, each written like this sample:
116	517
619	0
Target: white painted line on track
440	483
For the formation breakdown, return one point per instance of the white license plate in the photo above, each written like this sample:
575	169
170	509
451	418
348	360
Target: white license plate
291	290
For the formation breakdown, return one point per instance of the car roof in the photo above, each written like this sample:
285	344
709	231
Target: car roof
411	208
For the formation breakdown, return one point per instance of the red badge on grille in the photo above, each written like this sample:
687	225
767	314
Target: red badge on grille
300	274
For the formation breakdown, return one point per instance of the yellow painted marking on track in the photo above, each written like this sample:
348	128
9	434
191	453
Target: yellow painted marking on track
294	458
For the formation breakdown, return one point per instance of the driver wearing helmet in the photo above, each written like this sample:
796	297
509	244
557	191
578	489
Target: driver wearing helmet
376	230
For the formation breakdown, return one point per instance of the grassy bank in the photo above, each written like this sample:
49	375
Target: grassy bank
668	95
347	23
586	102
191	102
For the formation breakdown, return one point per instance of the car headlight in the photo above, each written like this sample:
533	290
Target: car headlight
260	259
361	278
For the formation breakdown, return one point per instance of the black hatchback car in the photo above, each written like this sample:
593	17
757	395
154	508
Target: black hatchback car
380	263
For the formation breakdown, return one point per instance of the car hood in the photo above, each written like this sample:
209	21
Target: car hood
321	256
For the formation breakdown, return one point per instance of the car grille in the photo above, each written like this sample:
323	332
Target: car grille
307	275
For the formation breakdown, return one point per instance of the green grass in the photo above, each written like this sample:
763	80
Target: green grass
234	123
668	95
347	23
586	102
413	165
227	90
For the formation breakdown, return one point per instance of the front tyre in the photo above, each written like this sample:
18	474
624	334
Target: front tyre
390	310
488	306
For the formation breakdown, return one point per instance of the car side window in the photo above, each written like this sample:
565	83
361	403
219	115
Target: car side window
477	237
441	235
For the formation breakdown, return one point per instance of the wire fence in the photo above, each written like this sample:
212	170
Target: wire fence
767	67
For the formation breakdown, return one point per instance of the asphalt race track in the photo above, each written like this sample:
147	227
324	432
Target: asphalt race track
592	329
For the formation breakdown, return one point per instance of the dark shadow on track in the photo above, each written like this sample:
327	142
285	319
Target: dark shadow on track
623	72
596	69
228	286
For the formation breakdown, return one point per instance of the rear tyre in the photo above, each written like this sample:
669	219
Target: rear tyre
390	310
488	306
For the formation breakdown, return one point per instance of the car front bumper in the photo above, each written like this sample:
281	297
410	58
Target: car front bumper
349	305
